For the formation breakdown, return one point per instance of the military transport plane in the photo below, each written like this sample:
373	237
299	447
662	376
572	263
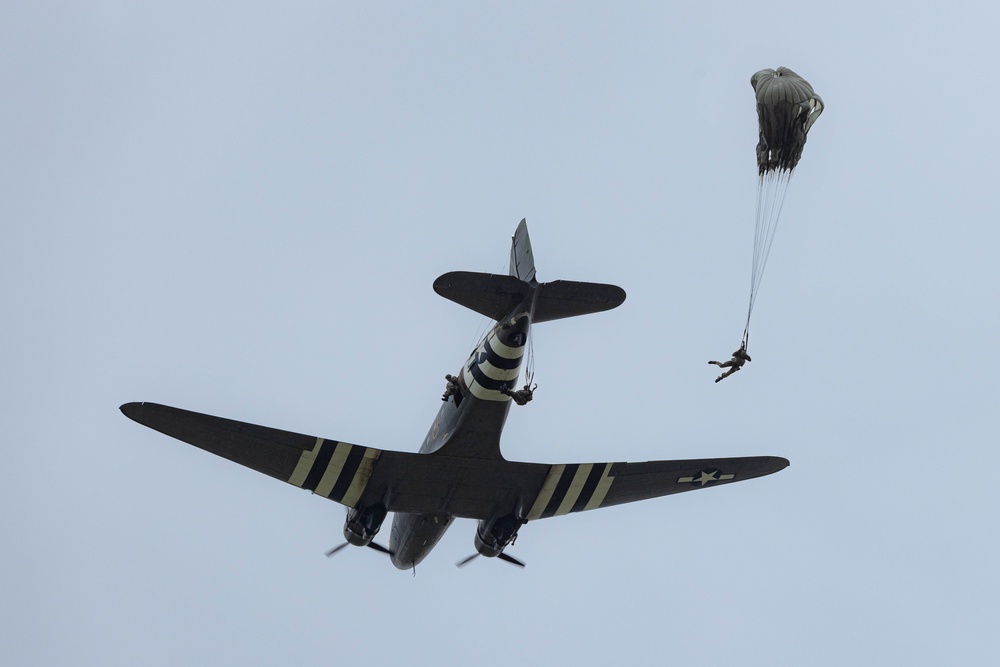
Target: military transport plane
459	471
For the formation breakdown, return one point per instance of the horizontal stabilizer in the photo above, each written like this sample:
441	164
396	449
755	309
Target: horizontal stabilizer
567	298
488	294
496	296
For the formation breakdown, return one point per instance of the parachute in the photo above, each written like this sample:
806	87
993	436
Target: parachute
786	108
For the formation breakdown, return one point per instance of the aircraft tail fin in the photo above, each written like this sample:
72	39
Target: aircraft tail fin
496	296
522	261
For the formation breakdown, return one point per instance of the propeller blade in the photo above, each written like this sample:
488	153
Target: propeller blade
379	547
502	556
510	559
466	561
333	551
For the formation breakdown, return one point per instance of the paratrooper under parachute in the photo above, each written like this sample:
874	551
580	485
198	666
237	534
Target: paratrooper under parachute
787	107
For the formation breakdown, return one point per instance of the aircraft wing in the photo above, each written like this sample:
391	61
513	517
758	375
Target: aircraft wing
354	475
585	486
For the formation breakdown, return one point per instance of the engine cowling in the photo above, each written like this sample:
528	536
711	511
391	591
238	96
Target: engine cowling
363	523
493	535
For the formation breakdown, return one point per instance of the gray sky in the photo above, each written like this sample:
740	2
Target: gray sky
240	210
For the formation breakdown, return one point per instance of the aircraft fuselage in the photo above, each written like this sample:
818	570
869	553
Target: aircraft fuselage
468	424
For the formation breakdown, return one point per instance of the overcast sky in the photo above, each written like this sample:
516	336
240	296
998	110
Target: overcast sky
239	209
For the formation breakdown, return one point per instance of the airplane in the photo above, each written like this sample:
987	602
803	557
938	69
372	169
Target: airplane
459	471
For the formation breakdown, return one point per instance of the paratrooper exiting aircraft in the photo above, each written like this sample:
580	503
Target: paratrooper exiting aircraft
459	471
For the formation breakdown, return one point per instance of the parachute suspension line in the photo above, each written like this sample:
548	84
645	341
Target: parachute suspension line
486	323
482	330
529	361
784	179
770	200
768	224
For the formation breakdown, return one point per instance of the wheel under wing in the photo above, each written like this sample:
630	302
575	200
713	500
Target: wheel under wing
358	476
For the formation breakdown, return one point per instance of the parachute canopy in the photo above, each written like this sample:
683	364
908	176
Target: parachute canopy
786	109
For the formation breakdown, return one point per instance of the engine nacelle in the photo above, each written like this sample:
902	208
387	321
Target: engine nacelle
363	524
494	534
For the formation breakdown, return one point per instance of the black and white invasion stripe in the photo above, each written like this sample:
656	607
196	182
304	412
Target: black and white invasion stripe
492	366
335	470
572	488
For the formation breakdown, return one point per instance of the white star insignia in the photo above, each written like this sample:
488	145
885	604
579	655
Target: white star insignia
706	476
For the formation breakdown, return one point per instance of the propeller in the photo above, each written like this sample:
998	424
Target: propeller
377	547
502	556
466	561
371	545
332	552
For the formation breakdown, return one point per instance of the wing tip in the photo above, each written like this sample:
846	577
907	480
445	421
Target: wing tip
776	464
132	410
